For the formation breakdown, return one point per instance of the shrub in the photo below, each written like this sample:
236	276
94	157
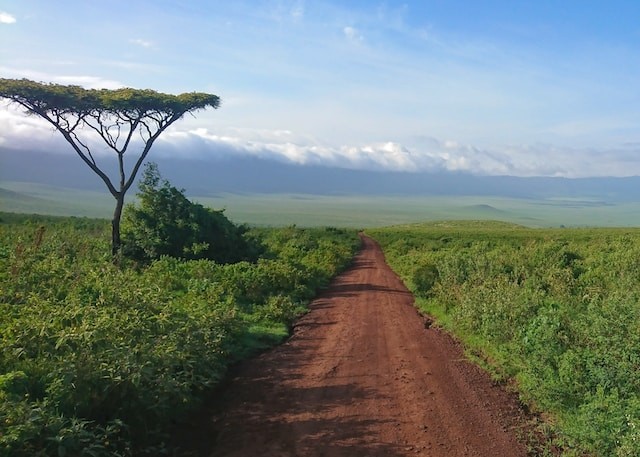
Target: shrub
165	222
424	278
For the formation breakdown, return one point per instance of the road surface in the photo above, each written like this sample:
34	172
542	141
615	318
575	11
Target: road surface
362	375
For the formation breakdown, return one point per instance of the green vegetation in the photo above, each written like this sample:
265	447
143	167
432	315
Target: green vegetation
32	198
341	210
98	359
166	223
556	310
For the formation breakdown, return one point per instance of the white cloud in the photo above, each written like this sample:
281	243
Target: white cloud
19	131
283	11
88	82
297	11
141	42
427	154
6	18
430	155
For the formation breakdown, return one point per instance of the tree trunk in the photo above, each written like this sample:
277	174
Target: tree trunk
115	227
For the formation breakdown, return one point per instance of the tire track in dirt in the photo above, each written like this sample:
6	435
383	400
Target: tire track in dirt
362	376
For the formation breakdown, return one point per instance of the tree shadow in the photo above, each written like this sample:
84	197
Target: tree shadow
351	290
272	406
360	263
292	401
282	421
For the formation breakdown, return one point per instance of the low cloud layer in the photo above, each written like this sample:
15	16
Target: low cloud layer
429	154
425	154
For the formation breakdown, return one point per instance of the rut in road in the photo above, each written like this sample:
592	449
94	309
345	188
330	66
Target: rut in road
362	376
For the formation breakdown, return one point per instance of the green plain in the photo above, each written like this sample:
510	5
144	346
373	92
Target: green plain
341	210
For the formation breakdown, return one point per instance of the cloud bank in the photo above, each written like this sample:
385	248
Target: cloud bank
426	154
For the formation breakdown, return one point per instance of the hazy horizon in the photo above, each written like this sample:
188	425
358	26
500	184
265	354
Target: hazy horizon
266	191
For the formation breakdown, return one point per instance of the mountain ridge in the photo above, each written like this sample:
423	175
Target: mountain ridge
248	175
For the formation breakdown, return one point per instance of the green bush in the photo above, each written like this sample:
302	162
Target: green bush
165	222
424	279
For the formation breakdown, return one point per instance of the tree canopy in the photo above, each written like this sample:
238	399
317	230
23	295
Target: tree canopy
114	115
51	98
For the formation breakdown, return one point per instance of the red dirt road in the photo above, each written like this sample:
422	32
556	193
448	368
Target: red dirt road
362	376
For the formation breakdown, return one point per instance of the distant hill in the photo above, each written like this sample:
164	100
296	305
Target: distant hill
251	175
26	197
485	210
6	195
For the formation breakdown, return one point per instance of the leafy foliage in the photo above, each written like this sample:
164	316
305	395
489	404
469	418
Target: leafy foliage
165	222
97	360
556	310
424	278
39	98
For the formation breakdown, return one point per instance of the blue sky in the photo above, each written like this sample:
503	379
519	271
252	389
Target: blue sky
523	88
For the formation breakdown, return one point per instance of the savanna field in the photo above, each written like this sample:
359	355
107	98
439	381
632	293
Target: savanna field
101	359
426	240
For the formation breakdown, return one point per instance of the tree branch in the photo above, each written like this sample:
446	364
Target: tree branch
147	148
133	126
84	146
71	138
91	163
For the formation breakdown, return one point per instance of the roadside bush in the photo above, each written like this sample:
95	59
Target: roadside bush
99	360
424	278
165	222
279	308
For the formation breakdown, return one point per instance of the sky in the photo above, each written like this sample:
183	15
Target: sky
523	88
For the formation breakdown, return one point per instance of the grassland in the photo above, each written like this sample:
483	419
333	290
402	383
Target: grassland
30	198
342	210
550	304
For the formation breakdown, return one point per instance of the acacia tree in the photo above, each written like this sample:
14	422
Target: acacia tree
117	117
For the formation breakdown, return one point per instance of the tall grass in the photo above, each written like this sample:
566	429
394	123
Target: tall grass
97	360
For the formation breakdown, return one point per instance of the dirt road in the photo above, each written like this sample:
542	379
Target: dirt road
363	376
